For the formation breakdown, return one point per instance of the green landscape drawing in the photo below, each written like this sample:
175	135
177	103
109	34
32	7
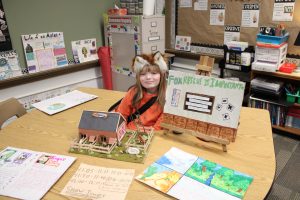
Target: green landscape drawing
219	177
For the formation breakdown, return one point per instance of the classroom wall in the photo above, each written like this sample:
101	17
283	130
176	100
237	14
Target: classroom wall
77	19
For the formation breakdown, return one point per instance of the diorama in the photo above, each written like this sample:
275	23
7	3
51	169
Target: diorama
206	107
103	134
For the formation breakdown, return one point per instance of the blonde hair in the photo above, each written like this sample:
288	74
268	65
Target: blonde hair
152	67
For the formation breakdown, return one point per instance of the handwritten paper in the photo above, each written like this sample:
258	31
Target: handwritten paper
92	182
26	174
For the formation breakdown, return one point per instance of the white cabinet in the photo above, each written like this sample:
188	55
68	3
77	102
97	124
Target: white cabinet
128	36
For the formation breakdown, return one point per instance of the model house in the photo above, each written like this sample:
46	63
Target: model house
102	127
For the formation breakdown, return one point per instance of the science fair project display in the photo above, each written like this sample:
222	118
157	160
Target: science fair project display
26	174
206	107
186	176
44	51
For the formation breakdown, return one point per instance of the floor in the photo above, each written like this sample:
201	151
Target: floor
287	179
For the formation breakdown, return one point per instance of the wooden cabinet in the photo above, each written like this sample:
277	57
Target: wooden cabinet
280	104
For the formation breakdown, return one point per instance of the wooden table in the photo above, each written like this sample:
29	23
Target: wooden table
252	152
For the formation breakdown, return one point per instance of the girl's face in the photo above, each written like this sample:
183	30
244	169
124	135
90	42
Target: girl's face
150	78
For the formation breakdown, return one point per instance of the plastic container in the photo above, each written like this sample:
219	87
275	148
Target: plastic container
287	68
292	97
272	39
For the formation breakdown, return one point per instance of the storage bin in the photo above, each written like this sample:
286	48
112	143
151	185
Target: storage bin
272	39
292	97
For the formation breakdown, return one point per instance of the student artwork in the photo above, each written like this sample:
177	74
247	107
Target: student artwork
103	134
27	174
183	43
202	104
63	102
9	65
84	50
186	176
44	51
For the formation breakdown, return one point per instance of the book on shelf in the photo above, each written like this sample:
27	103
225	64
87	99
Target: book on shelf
277	111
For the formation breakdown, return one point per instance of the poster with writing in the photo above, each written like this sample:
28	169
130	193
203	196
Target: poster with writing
84	50
186	176
44	51
283	10
26	174
5	41
208	99
9	64
217	14
92	182
200	5
185	3
231	33
183	43
63	102
250	15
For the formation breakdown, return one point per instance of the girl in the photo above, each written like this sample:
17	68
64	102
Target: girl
150	86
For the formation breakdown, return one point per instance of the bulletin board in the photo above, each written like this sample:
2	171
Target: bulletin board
195	23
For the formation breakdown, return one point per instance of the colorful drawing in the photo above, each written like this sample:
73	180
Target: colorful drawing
159	177
84	50
183	43
177	160
219	177
200	177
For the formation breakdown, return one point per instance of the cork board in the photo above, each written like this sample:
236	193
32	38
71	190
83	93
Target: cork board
196	23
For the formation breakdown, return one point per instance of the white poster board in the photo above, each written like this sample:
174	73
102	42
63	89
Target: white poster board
44	51
84	50
9	64
26	174
208	99
63	102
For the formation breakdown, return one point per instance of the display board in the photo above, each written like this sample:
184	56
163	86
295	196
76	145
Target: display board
76	19
193	20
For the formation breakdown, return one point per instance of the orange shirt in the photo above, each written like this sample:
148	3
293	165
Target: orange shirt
151	117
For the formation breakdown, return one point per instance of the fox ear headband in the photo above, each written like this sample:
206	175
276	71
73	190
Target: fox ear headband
139	62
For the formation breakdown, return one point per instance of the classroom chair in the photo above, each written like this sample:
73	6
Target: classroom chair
10	108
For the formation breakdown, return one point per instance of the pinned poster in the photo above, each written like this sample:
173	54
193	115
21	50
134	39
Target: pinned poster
250	15
84	50
283	10
44	51
231	33
200	5
217	14
9	65
185	3
183	43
